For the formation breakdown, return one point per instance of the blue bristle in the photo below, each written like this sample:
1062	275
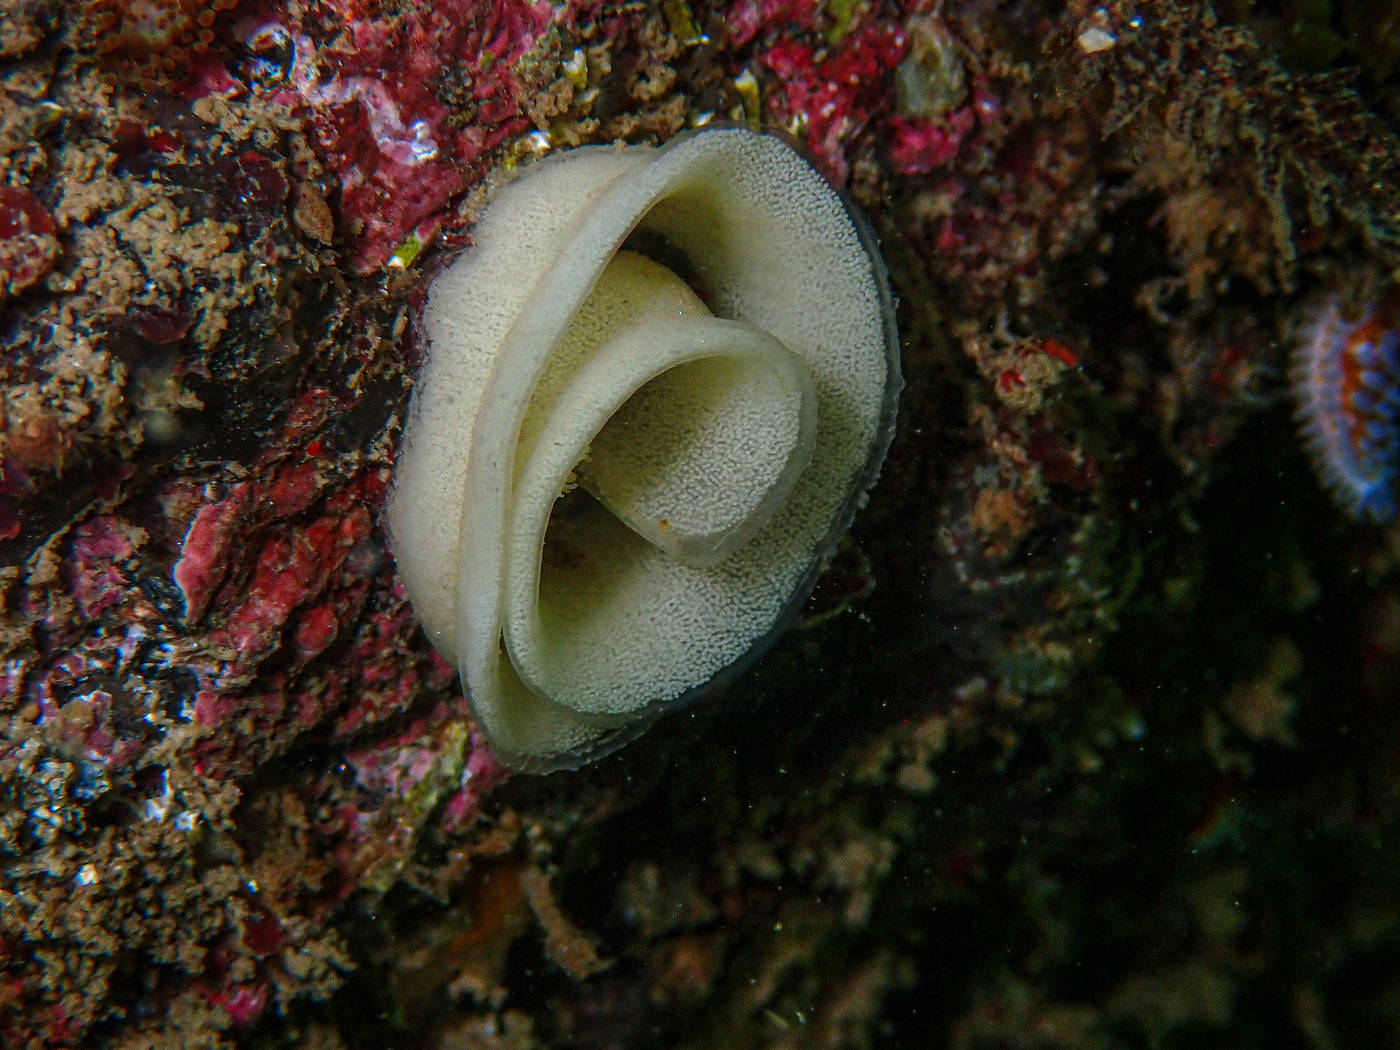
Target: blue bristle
1376	379
1390	352
1378	434
1365	401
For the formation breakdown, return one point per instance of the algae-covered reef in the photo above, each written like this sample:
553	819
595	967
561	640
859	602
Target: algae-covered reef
1086	739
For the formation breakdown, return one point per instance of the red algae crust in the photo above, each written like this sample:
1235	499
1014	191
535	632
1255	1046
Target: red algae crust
407	105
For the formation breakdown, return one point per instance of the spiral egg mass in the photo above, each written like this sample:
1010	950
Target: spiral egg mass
655	392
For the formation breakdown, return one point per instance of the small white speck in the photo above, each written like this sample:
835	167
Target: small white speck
1094	40
158	808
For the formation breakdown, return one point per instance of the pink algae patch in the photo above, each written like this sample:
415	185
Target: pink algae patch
97	546
400	142
290	570
747	18
28	240
244	1003
316	630
834	91
204	551
483	773
921	146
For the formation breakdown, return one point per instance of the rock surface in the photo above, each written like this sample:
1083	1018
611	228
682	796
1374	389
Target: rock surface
1088	738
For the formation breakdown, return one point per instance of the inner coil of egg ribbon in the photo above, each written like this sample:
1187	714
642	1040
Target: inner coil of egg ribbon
623	490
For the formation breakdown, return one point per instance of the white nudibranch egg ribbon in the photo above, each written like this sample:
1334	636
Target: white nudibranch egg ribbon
655	391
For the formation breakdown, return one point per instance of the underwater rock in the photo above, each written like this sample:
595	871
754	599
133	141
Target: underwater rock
1088	739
